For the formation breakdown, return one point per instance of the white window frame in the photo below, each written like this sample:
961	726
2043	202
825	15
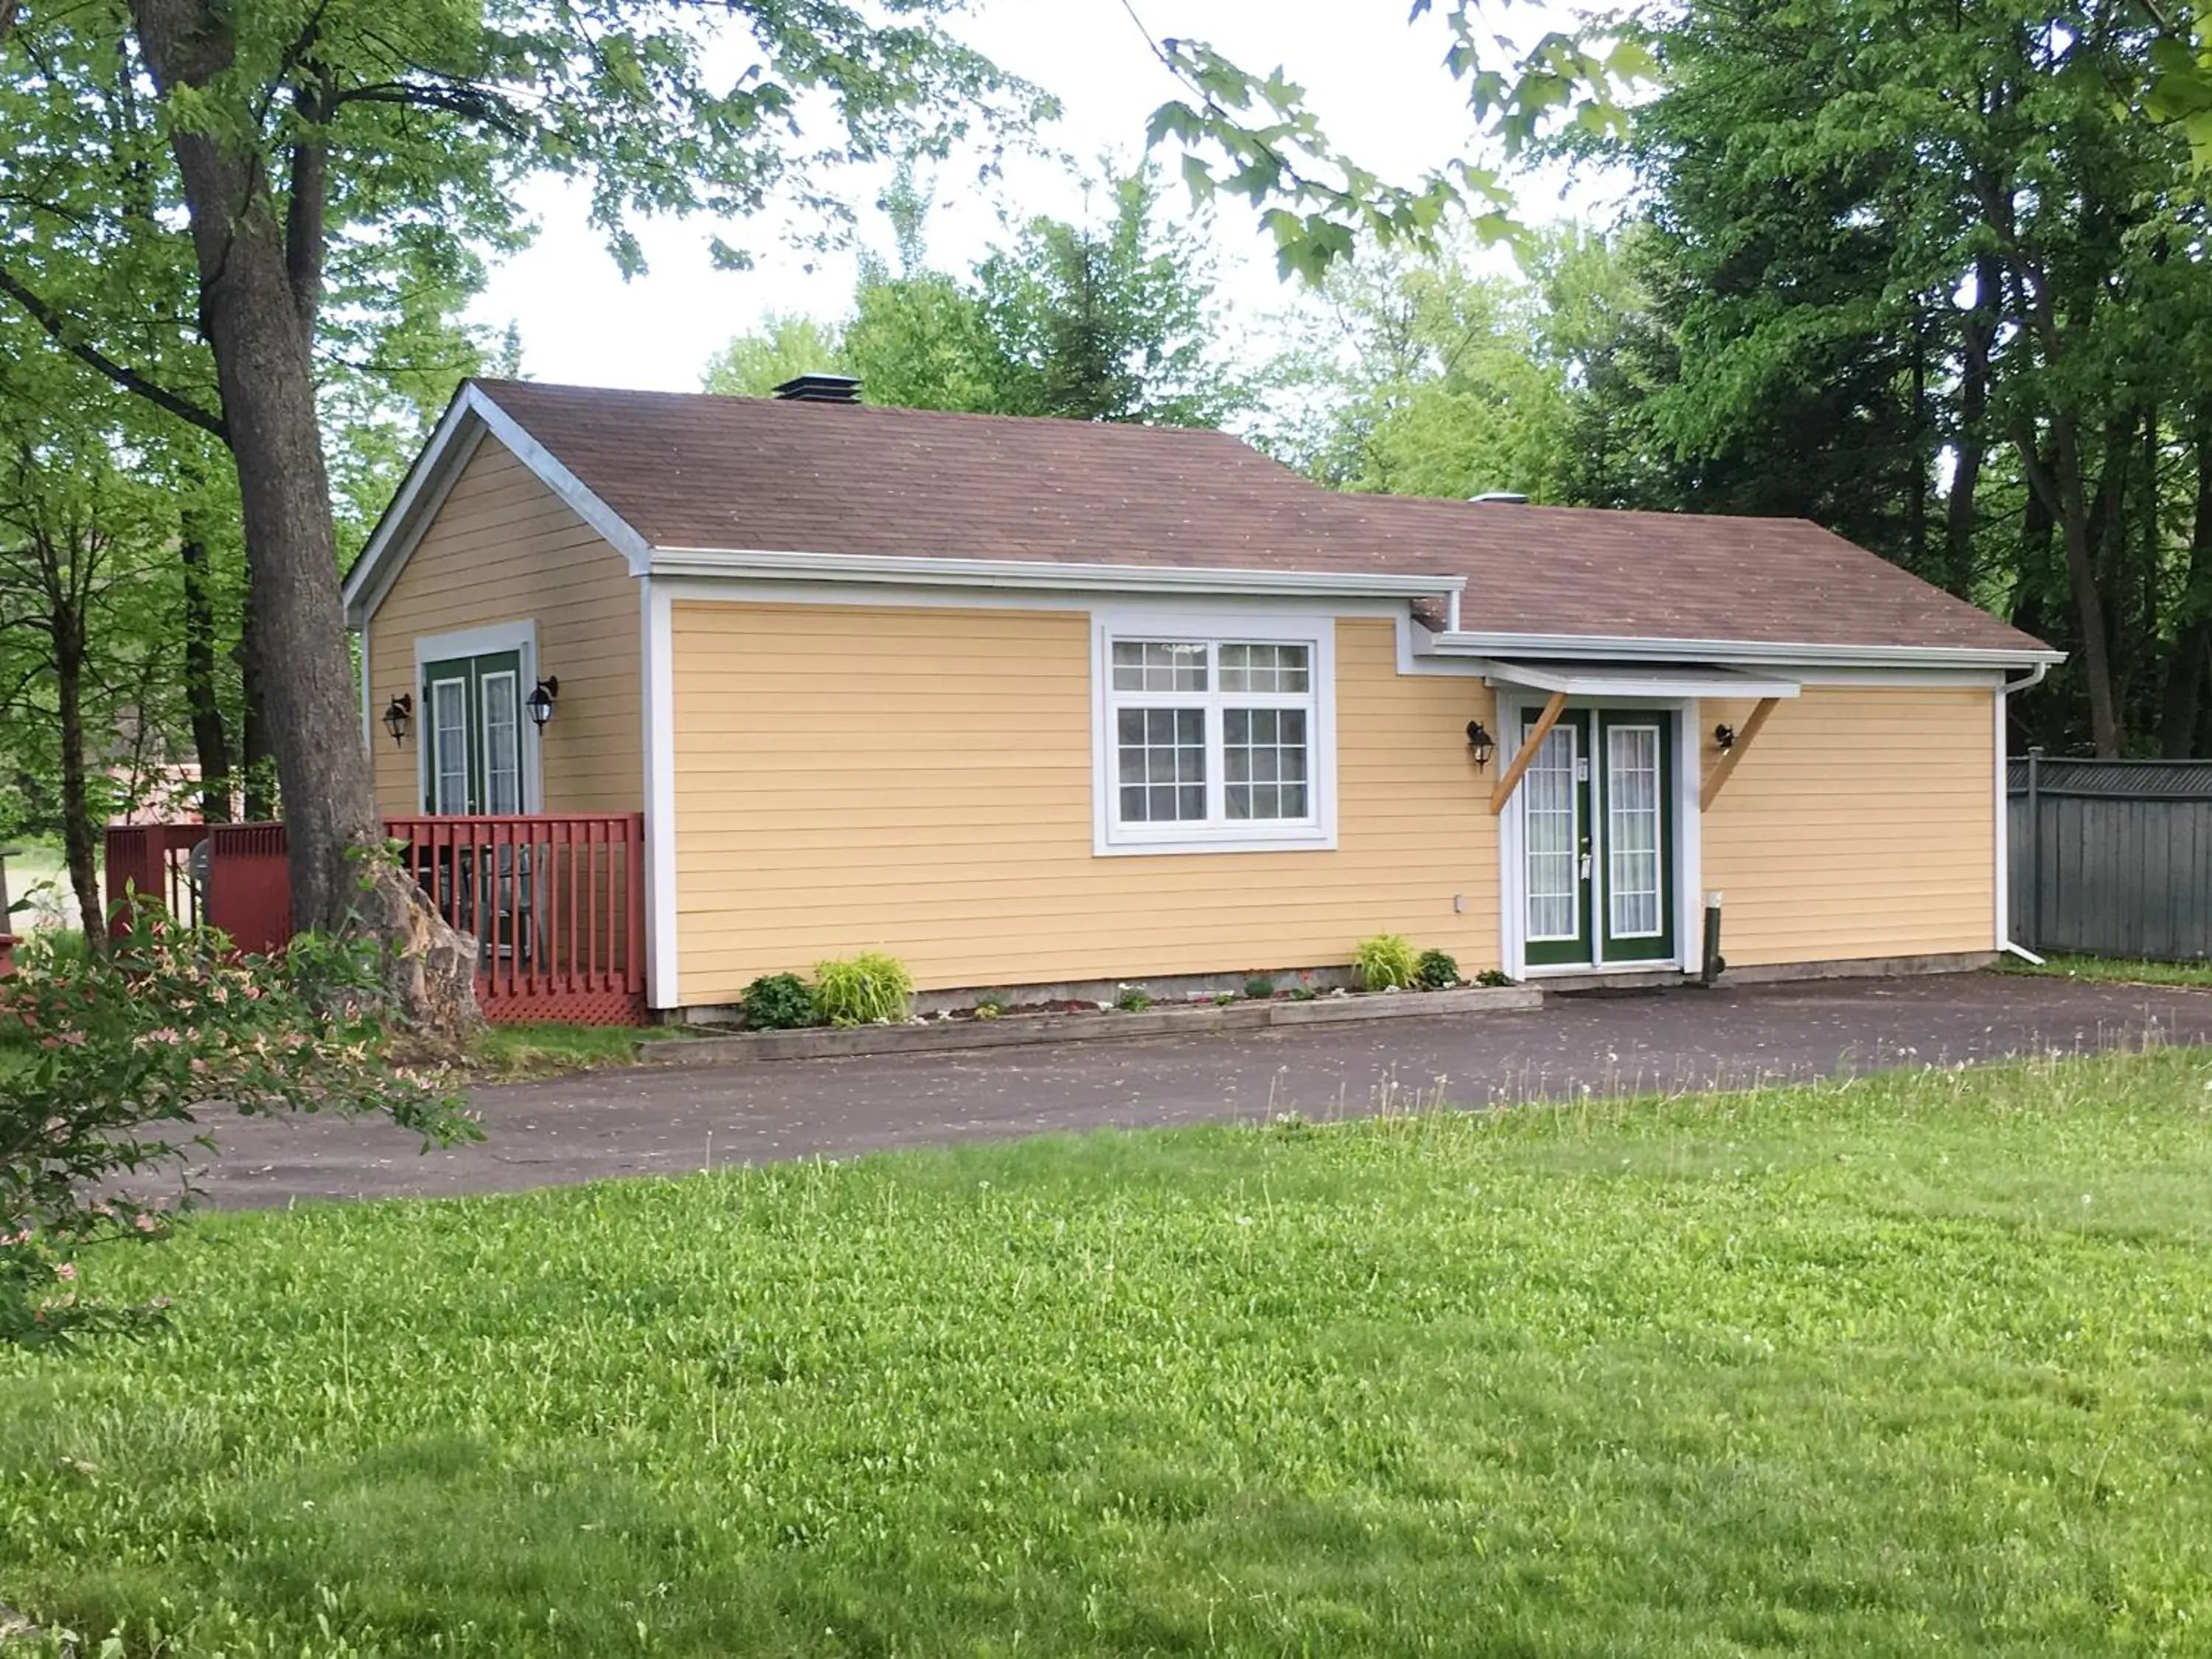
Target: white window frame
1213	626
519	637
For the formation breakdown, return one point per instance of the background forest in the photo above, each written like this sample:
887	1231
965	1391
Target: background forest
1919	275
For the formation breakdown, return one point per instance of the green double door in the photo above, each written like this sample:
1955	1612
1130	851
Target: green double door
472	744
1598	839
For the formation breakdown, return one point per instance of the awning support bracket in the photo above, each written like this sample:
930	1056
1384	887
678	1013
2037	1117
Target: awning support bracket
1510	778
1725	767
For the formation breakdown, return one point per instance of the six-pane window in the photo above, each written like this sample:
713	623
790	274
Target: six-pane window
1212	733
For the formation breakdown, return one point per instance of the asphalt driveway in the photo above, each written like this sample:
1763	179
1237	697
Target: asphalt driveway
676	1119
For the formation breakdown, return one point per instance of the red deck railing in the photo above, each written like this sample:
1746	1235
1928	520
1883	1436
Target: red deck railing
555	900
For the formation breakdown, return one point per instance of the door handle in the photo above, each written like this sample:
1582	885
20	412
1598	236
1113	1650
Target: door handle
1586	858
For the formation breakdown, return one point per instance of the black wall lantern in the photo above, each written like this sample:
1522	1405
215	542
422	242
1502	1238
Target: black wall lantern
542	697
1479	745
398	715
1724	737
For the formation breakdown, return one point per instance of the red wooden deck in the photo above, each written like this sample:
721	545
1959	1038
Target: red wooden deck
555	900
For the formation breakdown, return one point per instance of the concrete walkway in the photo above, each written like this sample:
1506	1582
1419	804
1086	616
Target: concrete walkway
676	1119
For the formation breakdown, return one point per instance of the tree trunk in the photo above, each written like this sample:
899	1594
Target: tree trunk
2062	488
1977	334
264	364
210	743
257	764
79	834
2182	704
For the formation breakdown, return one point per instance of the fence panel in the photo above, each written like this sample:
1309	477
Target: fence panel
2112	858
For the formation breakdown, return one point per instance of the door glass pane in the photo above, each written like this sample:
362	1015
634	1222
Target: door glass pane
502	746
1631	831
449	746
1550	832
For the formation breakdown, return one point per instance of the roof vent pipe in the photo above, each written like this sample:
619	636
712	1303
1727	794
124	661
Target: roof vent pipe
820	389
1488	498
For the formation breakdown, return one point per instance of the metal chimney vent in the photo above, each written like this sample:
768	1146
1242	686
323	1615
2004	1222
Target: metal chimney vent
820	389
1501	498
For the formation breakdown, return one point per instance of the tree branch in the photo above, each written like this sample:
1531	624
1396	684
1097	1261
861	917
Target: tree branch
57	329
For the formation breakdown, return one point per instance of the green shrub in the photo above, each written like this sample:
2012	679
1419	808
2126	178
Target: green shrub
1494	977
131	1048
990	1004
1303	993
1133	999
1437	972
1386	963
778	1002
869	989
1259	987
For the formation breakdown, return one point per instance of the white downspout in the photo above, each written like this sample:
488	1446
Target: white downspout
1451	612
2004	807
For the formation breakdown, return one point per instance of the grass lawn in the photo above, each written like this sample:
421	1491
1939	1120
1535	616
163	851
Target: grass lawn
1900	1366
509	1053
2116	969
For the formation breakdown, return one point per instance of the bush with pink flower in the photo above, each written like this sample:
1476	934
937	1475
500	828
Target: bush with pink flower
112	1062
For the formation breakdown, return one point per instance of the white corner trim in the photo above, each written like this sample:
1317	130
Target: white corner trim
1045	574
1316	629
471	414
656	612
1689	838
367	700
1615	648
2000	821
2001	790
520	637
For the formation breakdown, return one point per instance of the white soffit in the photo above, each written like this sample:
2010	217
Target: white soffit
1578	680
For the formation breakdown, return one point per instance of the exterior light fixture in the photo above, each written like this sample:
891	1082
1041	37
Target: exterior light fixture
398	715
542	697
1724	737
1479	745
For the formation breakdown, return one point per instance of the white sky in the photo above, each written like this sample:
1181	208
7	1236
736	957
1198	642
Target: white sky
1377	85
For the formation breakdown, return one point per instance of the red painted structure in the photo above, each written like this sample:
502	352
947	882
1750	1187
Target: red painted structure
555	900
155	859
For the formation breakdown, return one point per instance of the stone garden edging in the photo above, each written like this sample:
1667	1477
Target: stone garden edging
830	1042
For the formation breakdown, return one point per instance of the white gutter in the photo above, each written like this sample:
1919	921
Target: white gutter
1047	574
2005	945
1606	647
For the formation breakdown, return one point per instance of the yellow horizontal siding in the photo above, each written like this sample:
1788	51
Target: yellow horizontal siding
504	548
1860	823
919	780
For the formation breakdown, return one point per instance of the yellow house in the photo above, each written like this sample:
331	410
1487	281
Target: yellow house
1034	703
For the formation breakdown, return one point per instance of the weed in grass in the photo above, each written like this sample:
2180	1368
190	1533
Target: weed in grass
1907	1364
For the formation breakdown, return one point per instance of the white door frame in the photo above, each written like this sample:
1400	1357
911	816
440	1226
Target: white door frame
1514	702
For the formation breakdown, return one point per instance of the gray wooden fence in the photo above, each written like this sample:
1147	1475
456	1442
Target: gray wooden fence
2112	858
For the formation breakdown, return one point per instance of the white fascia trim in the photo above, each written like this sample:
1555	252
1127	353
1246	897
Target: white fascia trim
1045	574
656	644
431	478
1660	683
1604	647
520	637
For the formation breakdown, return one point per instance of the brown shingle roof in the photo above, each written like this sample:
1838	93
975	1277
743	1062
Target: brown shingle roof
692	470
